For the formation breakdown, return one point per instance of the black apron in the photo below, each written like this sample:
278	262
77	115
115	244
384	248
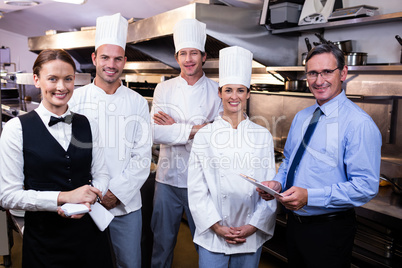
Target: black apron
50	240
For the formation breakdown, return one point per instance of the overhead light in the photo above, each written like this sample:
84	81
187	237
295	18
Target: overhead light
23	3
76	2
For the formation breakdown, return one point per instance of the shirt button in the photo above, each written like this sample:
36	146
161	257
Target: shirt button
68	167
67	156
224	196
69	180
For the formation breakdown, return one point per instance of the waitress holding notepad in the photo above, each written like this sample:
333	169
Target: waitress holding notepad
232	221
47	158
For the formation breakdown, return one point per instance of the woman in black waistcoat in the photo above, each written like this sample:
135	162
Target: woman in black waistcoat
49	157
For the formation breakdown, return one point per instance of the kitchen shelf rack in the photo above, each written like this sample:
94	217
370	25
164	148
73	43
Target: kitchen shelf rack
310	95
360	68
392	17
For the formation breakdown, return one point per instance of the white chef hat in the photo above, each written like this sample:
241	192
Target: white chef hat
189	33
235	66
111	30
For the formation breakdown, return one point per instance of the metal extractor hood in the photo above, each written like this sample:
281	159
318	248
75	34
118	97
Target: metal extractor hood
151	39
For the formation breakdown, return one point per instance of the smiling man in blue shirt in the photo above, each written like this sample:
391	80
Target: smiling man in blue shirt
330	172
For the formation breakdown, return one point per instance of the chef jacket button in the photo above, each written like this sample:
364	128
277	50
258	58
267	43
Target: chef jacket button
225	217
224	196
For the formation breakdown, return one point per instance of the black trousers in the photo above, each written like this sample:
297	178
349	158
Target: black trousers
323	243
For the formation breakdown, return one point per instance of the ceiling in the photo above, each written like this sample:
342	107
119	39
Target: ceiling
50	15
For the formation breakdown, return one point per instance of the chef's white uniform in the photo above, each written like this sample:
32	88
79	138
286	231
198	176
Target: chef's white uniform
216	191
188	106
124	125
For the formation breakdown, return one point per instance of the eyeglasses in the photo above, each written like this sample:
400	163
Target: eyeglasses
324	74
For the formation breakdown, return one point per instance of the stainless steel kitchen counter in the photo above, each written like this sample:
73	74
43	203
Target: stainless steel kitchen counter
385	208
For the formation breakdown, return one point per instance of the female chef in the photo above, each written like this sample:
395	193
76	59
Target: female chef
47	159
232	221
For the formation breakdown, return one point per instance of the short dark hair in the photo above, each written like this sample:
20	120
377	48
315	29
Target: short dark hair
328	48
49	55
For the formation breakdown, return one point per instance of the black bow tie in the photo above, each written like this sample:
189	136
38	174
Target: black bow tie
54	120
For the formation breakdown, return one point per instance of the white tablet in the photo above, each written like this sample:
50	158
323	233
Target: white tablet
260	185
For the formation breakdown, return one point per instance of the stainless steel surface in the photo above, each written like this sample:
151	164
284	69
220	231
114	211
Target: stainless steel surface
296	85
344	23
380	95
4	246
355	58
366	68
226	26
345	46
396	183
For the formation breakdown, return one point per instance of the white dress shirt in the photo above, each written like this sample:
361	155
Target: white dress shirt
216	191
12	193
124	125
188	106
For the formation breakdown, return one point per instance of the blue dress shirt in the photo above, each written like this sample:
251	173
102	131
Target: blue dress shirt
341	165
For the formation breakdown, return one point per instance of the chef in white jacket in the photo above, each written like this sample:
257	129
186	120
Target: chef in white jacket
124	123
181	106
232	221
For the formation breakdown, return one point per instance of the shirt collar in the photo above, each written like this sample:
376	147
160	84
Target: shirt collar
227	124
45	114
102	91
332	105
199	81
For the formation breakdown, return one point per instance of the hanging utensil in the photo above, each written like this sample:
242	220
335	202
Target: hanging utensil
399	39
322	39
307	44
271	73
400	42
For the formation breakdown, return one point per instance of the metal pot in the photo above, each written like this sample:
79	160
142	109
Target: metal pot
355	58
345	46
296	85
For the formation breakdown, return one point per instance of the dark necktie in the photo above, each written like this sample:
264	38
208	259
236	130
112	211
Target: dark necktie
54	120
302	147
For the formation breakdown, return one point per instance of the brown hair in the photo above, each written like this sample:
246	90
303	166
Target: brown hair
49	55
220	89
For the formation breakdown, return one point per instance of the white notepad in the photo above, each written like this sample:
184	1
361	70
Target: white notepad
101	216
73	209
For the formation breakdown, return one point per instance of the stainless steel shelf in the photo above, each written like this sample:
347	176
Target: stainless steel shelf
310	95
360	68
343	23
